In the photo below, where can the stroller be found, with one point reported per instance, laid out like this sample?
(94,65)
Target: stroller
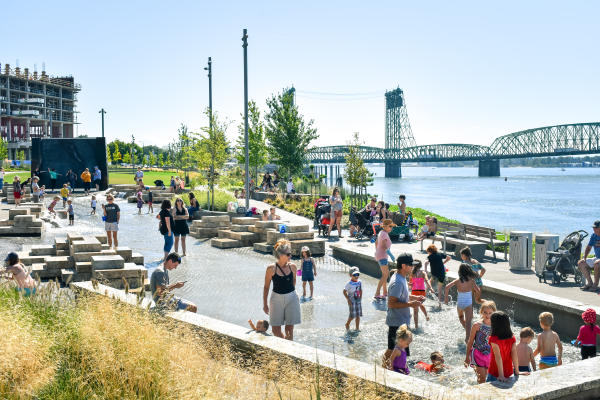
(322,216)
(362,220)
(563,261)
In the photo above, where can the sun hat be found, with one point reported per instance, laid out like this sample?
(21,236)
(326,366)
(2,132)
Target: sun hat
(354,271)
(305,248)
(589,316)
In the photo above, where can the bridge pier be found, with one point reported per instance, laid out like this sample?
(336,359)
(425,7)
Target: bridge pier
(489,168)
(393,169)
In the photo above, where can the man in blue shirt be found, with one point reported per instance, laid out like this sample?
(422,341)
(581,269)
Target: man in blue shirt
(586,264)
(97,178)
(399,303)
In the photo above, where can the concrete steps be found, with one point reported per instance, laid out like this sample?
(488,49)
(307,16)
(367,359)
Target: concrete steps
(246,238)
(274,236)
(240,228)
(263,247)
(225,243)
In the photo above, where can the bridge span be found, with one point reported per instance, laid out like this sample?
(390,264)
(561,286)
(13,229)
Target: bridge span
(557,140)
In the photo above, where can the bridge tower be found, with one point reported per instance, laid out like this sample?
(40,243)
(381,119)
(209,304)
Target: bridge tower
(398,133)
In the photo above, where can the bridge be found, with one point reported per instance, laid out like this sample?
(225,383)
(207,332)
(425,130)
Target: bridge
(400,146)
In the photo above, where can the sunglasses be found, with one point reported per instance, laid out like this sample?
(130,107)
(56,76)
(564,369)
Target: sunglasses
(355,274)
(288,254)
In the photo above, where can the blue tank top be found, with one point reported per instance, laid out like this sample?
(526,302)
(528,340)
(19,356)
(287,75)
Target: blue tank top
(307,266)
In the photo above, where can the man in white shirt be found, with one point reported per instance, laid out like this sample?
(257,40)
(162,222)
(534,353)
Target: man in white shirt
(290,187)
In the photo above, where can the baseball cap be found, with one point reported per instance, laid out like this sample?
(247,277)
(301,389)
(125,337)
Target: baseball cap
(405,258)
(305,248)
(596,224)
(354,271)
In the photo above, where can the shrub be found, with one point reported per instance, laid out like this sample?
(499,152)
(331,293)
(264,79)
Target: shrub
(222,197)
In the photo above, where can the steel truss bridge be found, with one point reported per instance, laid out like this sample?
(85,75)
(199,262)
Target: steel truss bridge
(558,140)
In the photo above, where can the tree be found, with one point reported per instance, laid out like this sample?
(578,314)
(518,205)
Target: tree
(127,158)
(152,159)
(211,150)
(161,161)
(257,144)
(355,173)
(289,137)
(3,151)
(117,154)
(108,158)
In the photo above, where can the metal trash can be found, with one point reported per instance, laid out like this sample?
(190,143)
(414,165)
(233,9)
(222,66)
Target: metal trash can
(520,250)
(543,244)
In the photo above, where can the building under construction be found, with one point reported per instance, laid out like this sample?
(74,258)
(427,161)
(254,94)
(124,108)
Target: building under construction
(33,105)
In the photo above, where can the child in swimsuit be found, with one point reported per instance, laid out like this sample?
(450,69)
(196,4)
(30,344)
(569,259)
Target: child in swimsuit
(261,326)
(309,271)
(503,359)
(478,347)
(587,334)
(546,343)
(140,201)
(465,254)
(417,284)
(398,356)
(52,205)
(93,205)
(437,363)
(465,284)
(524,352)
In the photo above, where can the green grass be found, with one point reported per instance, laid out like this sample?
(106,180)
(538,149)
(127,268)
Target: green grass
(125,176)
(222,197)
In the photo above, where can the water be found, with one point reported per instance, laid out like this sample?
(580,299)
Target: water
(228,284)
(539,200)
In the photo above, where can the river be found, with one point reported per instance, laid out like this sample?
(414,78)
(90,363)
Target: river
(539,200)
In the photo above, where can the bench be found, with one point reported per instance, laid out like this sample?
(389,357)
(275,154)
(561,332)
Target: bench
(485,235)
(446,229)
(449,233)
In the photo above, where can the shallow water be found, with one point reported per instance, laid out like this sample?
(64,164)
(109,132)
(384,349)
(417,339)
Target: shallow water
(228,284)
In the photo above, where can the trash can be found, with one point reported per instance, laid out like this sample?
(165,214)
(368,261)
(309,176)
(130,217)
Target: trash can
(520,250)
(543,244)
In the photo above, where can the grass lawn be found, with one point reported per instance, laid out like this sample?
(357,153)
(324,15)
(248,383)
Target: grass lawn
(126,176)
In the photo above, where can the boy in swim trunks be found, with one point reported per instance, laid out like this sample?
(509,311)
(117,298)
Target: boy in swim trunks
(546,342)
(261,325)
(524,352)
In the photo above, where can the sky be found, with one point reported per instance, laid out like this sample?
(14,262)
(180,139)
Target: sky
(470,71)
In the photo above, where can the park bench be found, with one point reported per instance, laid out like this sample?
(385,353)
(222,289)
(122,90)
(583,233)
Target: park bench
(449,233)
(444,231)
(485,235)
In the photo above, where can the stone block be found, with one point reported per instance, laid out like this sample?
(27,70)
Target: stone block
(206,232)
(62,214)
(274,236)
(263,247)
(102,239)
(104,247)
(39,271)
(71,237)
(107,262)
(241,228)
(42,250)
(85,246)
(84,267)
(30,260)
(57,263)
(62,252)
(137,258)
(294,228)
(34,208)
(215,224)
(246,238)
(26,220)
(13,212)
(267,224)
(86,256)
(216,218)
(129,270)
(67,276)
(124,252)
(108,252)
(244,220)
(316,246)
(224,243)
(61,244)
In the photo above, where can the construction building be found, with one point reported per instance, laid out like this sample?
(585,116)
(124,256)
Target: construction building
(33,105)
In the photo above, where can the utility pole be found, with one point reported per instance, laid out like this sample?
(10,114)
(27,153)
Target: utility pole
(132,163)
(102,111)
(247,185)
(210,123)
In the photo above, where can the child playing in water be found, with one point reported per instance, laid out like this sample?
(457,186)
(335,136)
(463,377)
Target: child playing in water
(466,255)
(546,343)
(140,201)
(71,212)
(261,325)
(309,271)
(149,202)
(52,205)
(465,284)
(64,193)
(436,366)
(478,347)
(524,352)
(265,215)
(42,193)
(398,357)
(353,294)
(93,205)
(418,281)
(438,269)
(382,247)
(587,334)
(503,361)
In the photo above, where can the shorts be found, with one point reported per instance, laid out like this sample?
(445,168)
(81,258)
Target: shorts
(94,209)
(27,291)
(588,351)
(392,330)
(182,304)
(436,279)
(418,293)
(64,199)
(87,185)
(111,226)
(590,261)
(355,309)
(383,262)
(71,217)
(479,359)
(308,275)
(430,234)
(548,362)
(491,378)
(525,368)
(17,195)
(284,309)
(97,182)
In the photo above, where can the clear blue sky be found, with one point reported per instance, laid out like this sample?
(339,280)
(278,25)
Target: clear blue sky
(471,71)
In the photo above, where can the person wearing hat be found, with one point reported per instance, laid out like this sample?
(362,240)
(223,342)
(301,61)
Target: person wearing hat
(25,282)
(309,271)
(587,334)
(353,294)
(400,301)
(382,248)
(35,189)
(586,264)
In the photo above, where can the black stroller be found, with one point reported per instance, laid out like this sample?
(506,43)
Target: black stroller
(563,261)
(362,220)
(322,216)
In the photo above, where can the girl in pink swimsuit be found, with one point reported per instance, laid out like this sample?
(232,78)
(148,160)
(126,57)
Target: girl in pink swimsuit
(418,281)
(25,282)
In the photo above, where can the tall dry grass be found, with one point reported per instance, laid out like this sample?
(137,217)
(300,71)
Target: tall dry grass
(97,348)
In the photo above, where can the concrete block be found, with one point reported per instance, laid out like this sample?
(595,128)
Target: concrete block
(216,218)
(124,252)
(246,238)
(107,262)
(30,260)
(62,214)
(102,239)
(57,263)
(267,224)
(206,232)
(13,212)
(86,256)
(42,250)
(104,247)
(67,276)
(71,237)
(244,220)
(84,267)
(39,271)
(224,243)
(108,252)
(274,236)
(129,270)
(241,228)
(61,244)
(21,225)
(24,218)
(137,258)
(84,246)
(215,224)
(316,246)
(294,228)
(263,247)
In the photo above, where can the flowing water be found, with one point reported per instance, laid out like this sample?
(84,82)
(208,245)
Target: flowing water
(228,284)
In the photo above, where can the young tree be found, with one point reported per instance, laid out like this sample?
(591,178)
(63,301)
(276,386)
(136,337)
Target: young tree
(3,151)
(355,173)
(152,159)
(289,137)
(108,157)
(127,158)
(161,161)
(211,150)
(257,144)
(116,154)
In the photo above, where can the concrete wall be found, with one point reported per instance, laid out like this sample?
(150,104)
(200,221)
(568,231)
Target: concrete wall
(578,380)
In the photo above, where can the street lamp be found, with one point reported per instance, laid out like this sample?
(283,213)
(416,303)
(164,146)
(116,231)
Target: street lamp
(132,163)
(102,111)
(247,185)
(210,121)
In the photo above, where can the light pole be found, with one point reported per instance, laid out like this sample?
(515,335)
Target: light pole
(210,122)
(132,163)
(247,185)
(102,111)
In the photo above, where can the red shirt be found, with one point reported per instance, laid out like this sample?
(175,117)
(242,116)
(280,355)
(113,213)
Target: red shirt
(587,334)
(505,346)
